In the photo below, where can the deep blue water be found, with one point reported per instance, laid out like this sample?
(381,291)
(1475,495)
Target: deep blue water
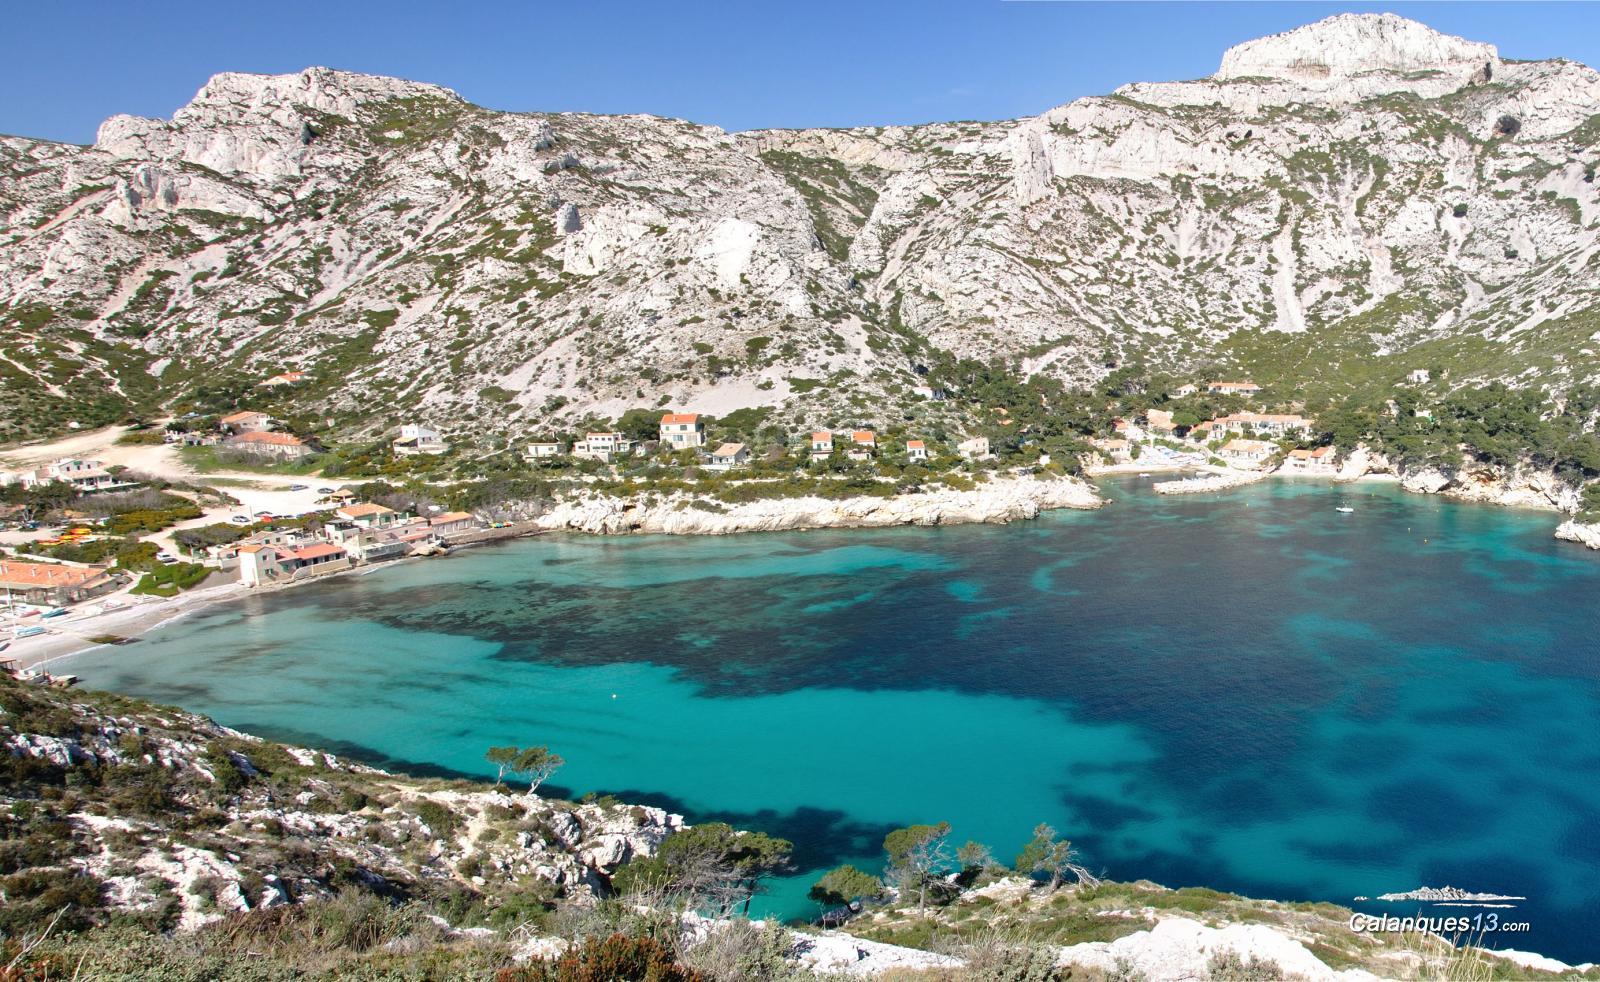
(1252,691)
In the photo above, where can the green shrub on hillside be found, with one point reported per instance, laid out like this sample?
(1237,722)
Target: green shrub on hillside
(167,581)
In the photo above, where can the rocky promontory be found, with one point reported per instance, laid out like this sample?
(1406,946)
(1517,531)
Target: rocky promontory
(999,500)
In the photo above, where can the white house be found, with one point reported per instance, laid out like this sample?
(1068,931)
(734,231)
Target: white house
(1318,461)
(416,439)
(285,445)
(246,422)
(864,438)
(539,451)
(821,444)
(452,522)
(85,476)
(368,515)
(1419,376)
(916,450)
(605,447)
(730,455)
(1278,424)
(284,378)
(1187,389)
(1247,451)
(681,431)
(1233,388)
(1114,448)
(263,564)
(976,448)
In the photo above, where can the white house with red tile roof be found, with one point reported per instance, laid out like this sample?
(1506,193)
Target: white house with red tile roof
(262,565)
(1318,461)
(53,583)
(1247,451)
(284,378)
(1277,424)
(864,438)
(916,450)
(821,444)
(682,431)
(452,522)
(284,445)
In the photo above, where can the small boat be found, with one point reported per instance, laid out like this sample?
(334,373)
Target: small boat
(28,632)
(4,645)
(1144,473)
(63,681)
(1345,510)
(53,612)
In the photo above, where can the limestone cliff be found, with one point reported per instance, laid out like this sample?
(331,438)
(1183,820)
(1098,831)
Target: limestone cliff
(1378,194)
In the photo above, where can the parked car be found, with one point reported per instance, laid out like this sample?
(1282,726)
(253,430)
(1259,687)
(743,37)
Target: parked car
(324,490)
(298,487)
(166,558)
(240,520)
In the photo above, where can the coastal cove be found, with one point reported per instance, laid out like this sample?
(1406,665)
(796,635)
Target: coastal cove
(1249,691)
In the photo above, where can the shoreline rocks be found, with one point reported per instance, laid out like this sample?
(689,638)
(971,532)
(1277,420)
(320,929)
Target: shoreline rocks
(1582,533)
(998,501)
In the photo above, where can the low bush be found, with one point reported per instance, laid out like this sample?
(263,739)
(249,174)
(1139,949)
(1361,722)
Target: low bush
(167,581)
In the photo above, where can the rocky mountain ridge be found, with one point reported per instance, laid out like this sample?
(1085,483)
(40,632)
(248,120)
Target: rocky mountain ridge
(1337,205)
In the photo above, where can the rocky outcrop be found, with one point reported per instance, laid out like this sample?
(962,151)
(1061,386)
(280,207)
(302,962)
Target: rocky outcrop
(282,817)
(1353,44)
(1583,533)
(996,501)
(1178,949)
(1515,487)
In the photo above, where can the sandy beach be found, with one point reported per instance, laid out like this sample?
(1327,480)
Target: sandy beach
(76,631)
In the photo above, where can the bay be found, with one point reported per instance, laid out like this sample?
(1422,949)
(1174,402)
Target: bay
(1251,692)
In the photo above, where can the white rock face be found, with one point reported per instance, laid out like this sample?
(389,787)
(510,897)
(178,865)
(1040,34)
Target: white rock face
(1352,44)
(998,501)
(1178,949)
(569,264)
(1579,532)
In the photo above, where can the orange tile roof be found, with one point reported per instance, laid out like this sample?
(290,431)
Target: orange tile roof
(276,439)
(821,436)
(915,445)
(864,436)
(241,416)
(364,509)
(452,516)
(670,418)
(317,551)
(13,573)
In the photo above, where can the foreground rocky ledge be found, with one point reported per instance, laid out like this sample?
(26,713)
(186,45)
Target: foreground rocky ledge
(998,500)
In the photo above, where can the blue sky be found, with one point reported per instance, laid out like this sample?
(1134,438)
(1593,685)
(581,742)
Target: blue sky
(740,66)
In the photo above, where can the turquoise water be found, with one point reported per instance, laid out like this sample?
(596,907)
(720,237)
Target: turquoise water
(1251,691)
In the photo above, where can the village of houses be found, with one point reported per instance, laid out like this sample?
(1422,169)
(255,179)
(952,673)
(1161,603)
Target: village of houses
(346,533)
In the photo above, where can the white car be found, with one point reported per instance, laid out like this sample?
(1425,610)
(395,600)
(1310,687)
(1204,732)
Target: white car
(166,558)
(240,520)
